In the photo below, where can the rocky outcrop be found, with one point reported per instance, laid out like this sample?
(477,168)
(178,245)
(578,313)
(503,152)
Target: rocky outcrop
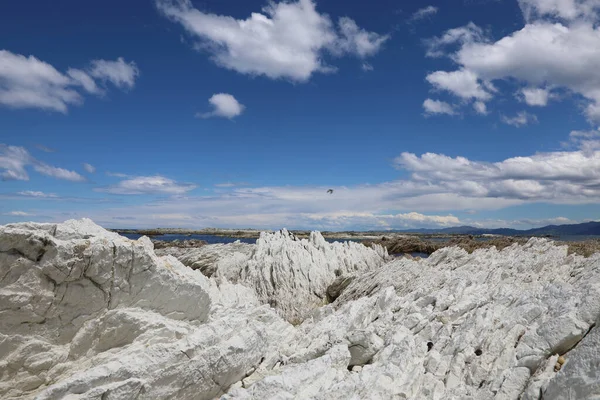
(290,274)
(491,324)
(181,244)
(87,314)
(210,258)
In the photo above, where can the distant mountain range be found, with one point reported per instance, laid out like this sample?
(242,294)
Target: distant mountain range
(586,228)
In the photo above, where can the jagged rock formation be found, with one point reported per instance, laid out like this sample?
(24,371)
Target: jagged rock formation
(290,274)
(87,314)
(182,244)
(487,325)
(210,258)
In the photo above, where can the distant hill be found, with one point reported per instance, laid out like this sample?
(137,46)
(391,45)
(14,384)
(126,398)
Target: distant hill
(585,228)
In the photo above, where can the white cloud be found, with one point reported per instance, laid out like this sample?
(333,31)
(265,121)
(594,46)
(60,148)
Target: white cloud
(564,9)
(149,185)
(82,78)
(367,67)
(45,149)
(230,184)
(120,73)
(117,174)
(541,54)
(225,105)
(89,168)
(355,40)
(58,173)
(27,82)
(437,107)
(480,107)
(288,40)
(535,96)
(561,177)
(462,83)
(14,159)
(522,118)
(19,214)
(32,193)
(586,141)
(424,13)
(461,35)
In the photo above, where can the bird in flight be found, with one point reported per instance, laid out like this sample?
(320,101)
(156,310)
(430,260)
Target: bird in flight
(330,191)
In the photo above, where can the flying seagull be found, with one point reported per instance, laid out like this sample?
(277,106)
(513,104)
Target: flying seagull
(330,191)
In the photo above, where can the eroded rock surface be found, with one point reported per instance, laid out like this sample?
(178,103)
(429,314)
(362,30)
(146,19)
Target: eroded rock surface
(290,274)
(87,314)
(491,324)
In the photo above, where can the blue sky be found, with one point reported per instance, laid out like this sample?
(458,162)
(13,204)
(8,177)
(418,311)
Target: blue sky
(243,114)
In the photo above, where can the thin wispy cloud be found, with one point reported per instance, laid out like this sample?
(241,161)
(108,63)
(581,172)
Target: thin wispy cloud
(423,13)
(152,185)
(89,168)
(15,159)
(522,118)
(37,194)
(45,149)
(19,214)
(230,184)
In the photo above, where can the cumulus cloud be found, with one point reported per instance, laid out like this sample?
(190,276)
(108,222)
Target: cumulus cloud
(535,96)
(437,107)
(436,187)
(89,168)
(586,141)
(522,118)
(27,82)
(287,40)
(564,9)
(15,159)
(367,67)
(569,177)
(542,54)
(225,105)
(462,83)
(149,185)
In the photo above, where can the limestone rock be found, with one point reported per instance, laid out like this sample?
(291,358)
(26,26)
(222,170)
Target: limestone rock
(88,314)
(85,313)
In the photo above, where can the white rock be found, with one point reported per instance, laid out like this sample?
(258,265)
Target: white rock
(493,319)
(85,313)
(289,274)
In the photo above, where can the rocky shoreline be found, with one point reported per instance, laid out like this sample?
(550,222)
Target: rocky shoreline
(90,314)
